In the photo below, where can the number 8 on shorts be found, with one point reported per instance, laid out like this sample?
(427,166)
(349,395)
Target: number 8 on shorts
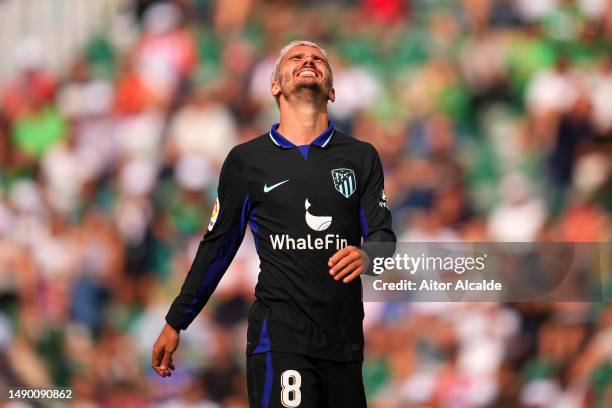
(291,381)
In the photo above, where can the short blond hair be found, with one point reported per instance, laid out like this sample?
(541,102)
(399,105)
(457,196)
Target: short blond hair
(285,50)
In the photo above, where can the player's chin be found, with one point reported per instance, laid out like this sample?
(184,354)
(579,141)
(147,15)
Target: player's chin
(310,84)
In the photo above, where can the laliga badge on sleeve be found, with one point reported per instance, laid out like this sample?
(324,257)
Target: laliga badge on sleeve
(215,213)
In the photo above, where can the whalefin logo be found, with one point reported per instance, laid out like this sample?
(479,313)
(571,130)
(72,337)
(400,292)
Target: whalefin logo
(344,181)
(310,242)
(317,222)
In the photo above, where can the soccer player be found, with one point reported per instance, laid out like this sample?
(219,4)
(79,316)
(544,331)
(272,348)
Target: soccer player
(310,194)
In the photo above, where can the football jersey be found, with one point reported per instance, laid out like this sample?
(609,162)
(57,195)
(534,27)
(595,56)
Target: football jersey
(302,204)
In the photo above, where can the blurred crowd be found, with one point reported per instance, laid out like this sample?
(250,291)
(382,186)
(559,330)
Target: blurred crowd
(493,119)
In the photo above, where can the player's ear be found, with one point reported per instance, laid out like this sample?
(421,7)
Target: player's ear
(275,89)
(331,95)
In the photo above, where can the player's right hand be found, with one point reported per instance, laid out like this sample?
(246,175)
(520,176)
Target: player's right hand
(165,345)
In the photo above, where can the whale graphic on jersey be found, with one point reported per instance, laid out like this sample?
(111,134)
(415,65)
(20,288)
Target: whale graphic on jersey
(317,222)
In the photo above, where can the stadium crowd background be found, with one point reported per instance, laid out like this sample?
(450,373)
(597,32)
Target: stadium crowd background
(493,120)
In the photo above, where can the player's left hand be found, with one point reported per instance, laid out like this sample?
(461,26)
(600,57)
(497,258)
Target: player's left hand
(348,263)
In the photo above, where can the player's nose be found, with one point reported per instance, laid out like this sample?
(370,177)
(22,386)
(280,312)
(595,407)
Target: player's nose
(309,60)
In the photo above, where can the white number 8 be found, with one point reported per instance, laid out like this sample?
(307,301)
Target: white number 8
(291,381)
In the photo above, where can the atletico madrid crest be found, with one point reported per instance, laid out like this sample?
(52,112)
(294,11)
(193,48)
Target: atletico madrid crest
(344,181)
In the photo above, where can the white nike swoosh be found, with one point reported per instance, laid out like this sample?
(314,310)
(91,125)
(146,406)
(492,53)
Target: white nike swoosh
(272,187)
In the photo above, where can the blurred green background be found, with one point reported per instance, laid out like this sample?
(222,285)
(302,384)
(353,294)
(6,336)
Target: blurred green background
(493,119)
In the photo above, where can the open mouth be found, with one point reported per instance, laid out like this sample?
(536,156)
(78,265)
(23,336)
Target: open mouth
(307,72)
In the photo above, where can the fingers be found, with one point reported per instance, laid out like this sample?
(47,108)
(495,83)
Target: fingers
(161,361)
(166,366)
(353,275)
(346,263)
(163,349)
(339,255)
(341,258)
(346,271)
(156,357)
(166,363)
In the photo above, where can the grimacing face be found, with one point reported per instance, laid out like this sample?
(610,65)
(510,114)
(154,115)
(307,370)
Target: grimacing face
(303,67)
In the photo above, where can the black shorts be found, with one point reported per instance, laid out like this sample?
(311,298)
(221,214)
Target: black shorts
(280,380)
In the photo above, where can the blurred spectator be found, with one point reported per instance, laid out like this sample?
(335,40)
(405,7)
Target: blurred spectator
(202,128)
(532,11)
(552,91)
(38,130)
(33,85)
(165,54)
(601,86)
(520,215)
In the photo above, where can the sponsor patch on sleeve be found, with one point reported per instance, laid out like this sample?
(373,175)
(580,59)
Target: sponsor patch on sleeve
(383,200)
(215,213)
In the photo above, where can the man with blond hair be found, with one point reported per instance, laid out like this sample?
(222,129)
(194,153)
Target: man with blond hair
(310,195)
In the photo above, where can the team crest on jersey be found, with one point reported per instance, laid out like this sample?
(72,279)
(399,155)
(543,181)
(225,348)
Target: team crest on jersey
(344,181)
(215,213)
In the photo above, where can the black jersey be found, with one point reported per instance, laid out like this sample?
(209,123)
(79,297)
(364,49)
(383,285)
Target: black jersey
(302,203)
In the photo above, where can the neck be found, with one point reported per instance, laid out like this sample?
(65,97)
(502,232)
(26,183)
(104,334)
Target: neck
(302,122)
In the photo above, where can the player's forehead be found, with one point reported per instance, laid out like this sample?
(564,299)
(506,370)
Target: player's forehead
(304,50)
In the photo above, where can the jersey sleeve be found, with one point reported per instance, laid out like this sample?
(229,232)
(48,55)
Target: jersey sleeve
(218,247)
(374,214)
